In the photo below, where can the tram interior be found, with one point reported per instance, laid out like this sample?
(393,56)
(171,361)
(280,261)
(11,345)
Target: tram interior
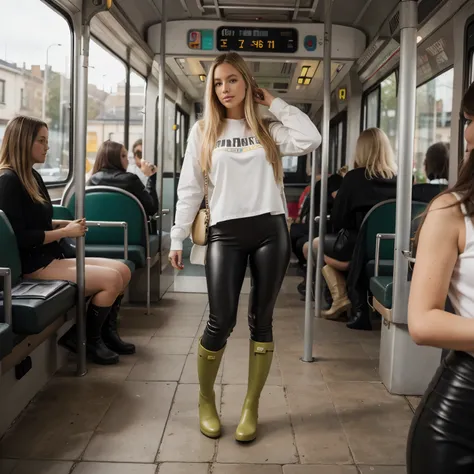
(346,412)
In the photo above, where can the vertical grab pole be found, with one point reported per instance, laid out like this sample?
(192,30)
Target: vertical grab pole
(309,326)
(161,118)
(80,184)
(323,209)
(308,316)
(406,126)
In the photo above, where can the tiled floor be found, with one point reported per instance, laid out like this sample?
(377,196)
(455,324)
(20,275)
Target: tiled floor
(140,417)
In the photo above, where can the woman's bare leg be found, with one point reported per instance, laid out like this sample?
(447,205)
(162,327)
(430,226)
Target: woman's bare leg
(104,283)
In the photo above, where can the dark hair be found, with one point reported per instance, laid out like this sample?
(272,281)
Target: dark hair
(139,142)
(108,157)
(437,161)
(465,183)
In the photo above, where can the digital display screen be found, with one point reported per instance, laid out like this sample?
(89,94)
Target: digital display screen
(262,40)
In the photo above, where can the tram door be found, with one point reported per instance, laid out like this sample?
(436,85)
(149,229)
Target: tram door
(168,200)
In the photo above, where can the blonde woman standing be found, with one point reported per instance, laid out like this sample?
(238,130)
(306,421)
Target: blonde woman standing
(241,154)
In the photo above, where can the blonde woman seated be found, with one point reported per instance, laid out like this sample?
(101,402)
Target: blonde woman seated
(372,181)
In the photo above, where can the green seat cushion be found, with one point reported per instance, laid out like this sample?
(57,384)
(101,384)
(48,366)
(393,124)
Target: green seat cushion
(33,315)
(136,253)
(385,268)
(6,340)
(381,287)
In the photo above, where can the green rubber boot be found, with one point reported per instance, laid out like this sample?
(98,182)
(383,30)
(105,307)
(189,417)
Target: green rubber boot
(208,366)
(260,361)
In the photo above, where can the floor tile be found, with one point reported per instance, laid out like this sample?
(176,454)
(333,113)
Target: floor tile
(375,422)
(158,367)
(59,423)
(383,469)
(7,465)
(296,372)
(274,443)
(183,468)
(320,469)
(42,467)
(132,429)
(350,370)
(414,402)
(182,440)
(319,435)
(114,468)
(245,469)
(170,345)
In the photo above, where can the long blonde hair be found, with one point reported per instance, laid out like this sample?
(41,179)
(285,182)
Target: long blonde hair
(374,153)
(212,123)
(15,153)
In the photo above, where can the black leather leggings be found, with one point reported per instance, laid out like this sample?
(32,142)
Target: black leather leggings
(264,242)
(441,438)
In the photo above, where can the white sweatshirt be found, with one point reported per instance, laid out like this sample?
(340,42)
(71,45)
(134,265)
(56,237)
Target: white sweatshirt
(241,180)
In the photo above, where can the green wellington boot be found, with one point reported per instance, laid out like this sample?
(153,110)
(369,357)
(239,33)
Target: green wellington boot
(208,366)
(261,355)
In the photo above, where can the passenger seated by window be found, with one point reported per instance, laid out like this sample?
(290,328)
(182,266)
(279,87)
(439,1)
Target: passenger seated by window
(299,233)
(110,170)
(436,169)
(373,180)
(26,202)
(135,166)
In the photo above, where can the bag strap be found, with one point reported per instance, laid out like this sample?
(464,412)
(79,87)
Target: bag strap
(206,194)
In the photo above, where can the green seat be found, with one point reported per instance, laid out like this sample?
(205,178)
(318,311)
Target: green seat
(33,314)
(385,268)
(381,288)
(136,253)
(6,340)
(381,220)
(61,212)
(110,204)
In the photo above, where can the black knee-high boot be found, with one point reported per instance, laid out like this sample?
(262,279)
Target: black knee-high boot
(96,348)
(109,331)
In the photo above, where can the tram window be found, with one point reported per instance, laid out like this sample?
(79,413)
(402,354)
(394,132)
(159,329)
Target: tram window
(371,109)
(106,99)
(137,109)
(433,117)
(35,76)
(290,164)
(168,163)
(388,109)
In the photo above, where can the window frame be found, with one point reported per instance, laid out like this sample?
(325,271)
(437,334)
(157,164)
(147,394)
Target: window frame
(61,11)
(3,86)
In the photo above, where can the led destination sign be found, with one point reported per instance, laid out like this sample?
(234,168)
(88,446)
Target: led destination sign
(262,40)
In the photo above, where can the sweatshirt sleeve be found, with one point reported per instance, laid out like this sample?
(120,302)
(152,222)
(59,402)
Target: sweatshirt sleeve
(190,190)
(294,132)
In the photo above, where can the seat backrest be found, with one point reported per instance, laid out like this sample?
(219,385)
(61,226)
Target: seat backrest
(381,219)
(62,213)
(9,253)
(105,203)
(426,192)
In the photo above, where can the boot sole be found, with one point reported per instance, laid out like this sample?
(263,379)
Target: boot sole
(337,314)
(213,436)
(245,439)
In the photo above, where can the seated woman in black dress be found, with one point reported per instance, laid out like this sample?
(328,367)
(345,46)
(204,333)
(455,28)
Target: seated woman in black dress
(26,202)
(110,169)
(372,181)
